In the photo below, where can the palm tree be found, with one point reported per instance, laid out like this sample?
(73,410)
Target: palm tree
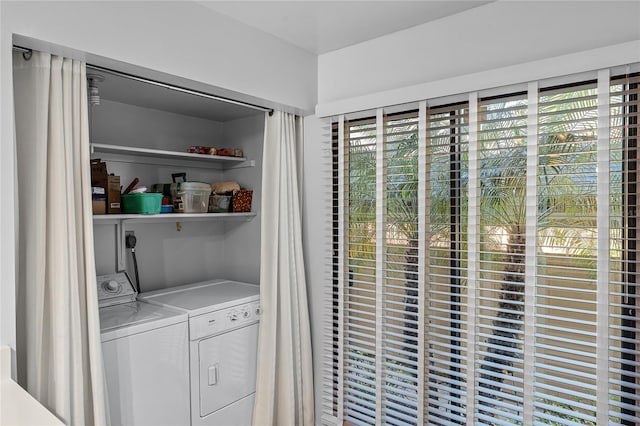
(401,227)
(402,221)
(503,206)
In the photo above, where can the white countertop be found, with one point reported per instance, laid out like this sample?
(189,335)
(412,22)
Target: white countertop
(17,407)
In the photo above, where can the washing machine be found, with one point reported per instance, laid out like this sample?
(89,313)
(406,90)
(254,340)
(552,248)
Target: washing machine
(223,345)
(146,357)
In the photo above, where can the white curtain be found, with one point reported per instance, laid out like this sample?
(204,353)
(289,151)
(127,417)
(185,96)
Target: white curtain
(59,352)
(284,390)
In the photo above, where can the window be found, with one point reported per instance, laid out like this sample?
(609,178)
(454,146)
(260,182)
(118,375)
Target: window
(484,266)
(447,144)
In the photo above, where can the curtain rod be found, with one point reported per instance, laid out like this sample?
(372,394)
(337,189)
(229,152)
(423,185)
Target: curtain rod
(165,85)
(179,88)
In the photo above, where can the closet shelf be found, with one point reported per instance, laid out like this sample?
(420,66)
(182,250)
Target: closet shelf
(171,217)
(130,154)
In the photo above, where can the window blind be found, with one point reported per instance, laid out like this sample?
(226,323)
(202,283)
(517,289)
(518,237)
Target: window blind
(399,296)
(359,317)
(485,260)
(624,374)
(447,143)
(502,154)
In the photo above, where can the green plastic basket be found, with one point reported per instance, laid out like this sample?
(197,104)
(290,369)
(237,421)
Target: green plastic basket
(143,203)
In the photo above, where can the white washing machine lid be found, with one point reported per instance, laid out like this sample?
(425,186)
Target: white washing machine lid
(203,297)
(123,320)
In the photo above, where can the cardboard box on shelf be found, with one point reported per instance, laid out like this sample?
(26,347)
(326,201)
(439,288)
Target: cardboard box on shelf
(110,183)
(99,206)
(98,172)
(113,194)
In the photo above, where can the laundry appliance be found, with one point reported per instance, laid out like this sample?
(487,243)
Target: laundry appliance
(223,334)
(145,352)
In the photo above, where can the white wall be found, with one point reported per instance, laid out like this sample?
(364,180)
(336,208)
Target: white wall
(493,36)
(7,215)
(242,239)
(117,123)
(316,229)
(178,38)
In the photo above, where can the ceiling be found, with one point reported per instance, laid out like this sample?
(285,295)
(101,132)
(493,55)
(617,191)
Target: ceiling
(323,26)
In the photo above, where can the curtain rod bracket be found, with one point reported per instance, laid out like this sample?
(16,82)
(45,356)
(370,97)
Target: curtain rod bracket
(26,53)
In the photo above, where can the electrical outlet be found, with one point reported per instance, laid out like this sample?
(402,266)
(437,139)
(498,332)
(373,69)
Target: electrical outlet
(130,239)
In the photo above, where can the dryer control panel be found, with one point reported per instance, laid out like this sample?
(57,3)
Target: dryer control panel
(114,289)
(223,320)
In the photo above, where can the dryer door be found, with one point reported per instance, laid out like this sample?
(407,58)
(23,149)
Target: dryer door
(227,368)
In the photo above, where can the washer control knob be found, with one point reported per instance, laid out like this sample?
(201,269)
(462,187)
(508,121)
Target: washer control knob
(233,316)
(258,310)
(246,314)
(111,286)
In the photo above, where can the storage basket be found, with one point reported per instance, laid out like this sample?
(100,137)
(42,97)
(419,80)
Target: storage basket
(219,203)
(241,201)
(143,203)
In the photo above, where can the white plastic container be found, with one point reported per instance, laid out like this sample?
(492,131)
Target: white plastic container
(190,197)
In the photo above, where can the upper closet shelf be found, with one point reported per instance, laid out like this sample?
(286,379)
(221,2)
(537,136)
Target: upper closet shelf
(130,154)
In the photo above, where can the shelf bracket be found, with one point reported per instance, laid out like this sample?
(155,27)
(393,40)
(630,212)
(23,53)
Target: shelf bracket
(121,249)
(247,164)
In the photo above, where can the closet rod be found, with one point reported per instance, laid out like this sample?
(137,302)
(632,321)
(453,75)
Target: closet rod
(179,88)
(167,86)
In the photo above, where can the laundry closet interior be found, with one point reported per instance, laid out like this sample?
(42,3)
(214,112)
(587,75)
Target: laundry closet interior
(143,128)
(179,303)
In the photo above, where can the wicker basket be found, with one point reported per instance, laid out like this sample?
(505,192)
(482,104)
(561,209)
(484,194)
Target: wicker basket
(241,201)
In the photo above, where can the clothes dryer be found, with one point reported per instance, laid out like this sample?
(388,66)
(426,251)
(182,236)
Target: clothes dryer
(223,344)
